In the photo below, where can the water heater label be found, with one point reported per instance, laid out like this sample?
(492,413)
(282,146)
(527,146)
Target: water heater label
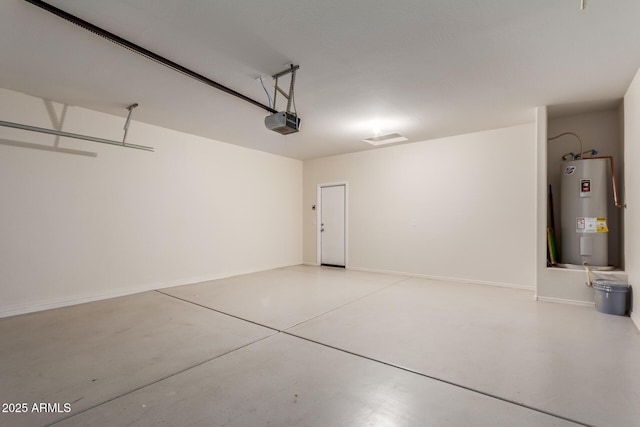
(585,225)
(591,225)
(601,225)
(569,170)
(580,225)
(585,188)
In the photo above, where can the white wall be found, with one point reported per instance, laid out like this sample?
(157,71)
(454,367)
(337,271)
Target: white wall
(471,197)
(541,198)
(75,228)
(632,191)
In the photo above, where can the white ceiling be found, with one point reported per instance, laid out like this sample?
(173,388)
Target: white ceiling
(421,68)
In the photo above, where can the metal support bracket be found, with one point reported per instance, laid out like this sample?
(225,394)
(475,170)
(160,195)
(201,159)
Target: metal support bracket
(55,121)
(126,124)
(83,137)
(289,96)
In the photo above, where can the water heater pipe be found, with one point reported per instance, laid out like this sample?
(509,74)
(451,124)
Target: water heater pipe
(586,267)
(613,180)
(591,152)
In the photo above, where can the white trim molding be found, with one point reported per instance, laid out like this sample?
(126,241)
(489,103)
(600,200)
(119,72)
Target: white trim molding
(446,279)
(635,318)
(51,303)
(567,301)
(318,220)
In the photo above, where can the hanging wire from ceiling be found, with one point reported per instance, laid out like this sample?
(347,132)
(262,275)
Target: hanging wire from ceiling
(295,110)
(265,91)
(292,93)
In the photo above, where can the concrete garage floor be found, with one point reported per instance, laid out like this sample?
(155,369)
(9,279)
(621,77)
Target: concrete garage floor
(310,346)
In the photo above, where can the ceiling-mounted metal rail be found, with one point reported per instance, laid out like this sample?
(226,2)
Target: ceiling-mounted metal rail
(83,137)
(145,52)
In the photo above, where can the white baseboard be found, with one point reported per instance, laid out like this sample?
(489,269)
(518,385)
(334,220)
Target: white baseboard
(635,318)
(446,279)
(566,301)
(51,303)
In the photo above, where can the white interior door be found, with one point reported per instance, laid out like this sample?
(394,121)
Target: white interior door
(332,225)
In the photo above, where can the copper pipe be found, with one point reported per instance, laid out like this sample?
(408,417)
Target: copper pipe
(613,179)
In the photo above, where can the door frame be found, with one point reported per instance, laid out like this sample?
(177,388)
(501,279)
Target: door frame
(319,220)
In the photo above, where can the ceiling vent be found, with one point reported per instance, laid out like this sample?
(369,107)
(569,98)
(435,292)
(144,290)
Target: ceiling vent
(386,139)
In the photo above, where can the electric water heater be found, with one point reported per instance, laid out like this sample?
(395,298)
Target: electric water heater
(583,212)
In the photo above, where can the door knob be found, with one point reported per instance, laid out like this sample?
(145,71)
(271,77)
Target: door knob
(322,229)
